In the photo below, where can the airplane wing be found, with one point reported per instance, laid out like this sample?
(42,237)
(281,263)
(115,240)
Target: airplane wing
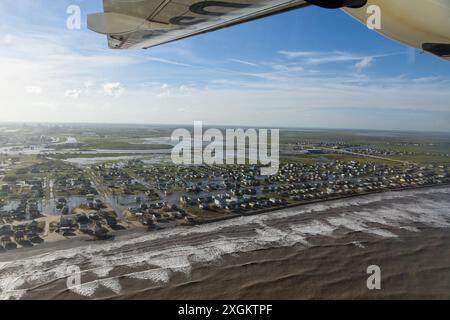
(147,23)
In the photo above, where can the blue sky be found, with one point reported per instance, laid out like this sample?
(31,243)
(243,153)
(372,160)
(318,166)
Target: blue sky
(305,68)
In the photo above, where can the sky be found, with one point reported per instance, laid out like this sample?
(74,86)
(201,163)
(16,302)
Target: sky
(312,68)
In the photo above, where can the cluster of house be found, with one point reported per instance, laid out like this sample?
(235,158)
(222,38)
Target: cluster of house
(114,176)
(94,223)
(91,203)
(80,185)
(240,188)
(231,202)
(166,178)
(351,170)
(302,182)
(372,150)
(23,234)
(26,209)
(22,199)
(29,188)
(151,215)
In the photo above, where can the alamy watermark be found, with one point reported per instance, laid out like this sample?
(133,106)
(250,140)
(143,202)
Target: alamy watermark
(373,21)
(237,146)
(73,21)
(374,280)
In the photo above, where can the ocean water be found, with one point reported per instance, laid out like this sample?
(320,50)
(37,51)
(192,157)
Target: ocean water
(308,252)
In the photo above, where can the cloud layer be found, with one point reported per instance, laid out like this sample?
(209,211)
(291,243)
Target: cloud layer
(58,75)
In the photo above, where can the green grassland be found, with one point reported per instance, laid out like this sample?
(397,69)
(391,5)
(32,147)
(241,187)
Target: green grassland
(414,147)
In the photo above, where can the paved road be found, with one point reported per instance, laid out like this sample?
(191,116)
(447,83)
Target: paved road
(105,193)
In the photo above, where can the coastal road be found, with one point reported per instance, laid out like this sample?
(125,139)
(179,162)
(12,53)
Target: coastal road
(104,193)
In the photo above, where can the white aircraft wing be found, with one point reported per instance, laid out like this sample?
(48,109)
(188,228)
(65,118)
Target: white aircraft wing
(147,23)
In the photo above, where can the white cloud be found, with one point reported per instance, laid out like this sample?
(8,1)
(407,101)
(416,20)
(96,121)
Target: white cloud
(164,91)
(88,84)
(318,57)
(287,68)
(330,57)
(275,93)
(8,38)
(113,89)
(297,54)
(364,63)
(166,61)
(73,93)
(247,63)
(184,87)
(33,90)
(323,57)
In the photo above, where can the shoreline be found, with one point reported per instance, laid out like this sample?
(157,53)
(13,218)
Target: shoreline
(309,252)
(133,232)
(294,205)
(322,271)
